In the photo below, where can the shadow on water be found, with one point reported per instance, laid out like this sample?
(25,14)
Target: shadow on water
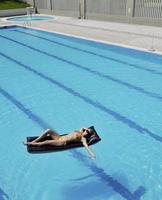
(3,195)
(88,190)
(113,184)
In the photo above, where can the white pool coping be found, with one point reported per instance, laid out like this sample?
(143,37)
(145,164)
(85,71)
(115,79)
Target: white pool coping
(92,30)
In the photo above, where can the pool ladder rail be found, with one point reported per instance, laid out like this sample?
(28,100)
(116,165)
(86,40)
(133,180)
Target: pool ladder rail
(29,12)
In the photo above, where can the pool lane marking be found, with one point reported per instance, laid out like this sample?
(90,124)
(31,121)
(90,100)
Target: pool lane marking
(119,117)
(95,54)
(24,109)
(99,74)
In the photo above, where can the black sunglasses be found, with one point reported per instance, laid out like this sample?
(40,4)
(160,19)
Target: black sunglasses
(86,130)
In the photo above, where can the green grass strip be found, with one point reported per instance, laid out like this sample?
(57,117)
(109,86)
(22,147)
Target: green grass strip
(12,4)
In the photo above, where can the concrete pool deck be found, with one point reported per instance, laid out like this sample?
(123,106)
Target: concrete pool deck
(144,37)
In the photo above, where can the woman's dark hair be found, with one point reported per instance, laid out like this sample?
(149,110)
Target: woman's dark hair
(90,133)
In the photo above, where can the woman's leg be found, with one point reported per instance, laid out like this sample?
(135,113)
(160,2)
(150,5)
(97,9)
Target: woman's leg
(45,134)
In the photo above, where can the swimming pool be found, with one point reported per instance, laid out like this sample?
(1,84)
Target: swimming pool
(49,80)
(30,18)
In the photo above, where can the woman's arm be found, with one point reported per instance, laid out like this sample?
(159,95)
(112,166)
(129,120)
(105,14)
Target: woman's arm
(88,148)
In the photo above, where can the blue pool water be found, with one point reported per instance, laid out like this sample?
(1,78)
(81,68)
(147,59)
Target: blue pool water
(32,18)
(53,81)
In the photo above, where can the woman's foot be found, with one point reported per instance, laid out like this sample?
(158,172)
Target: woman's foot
(28,143)
(25,143)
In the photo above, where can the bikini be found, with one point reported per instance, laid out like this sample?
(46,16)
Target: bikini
(68,138)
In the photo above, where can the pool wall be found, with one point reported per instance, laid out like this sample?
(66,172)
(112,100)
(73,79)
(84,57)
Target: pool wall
(12,12)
